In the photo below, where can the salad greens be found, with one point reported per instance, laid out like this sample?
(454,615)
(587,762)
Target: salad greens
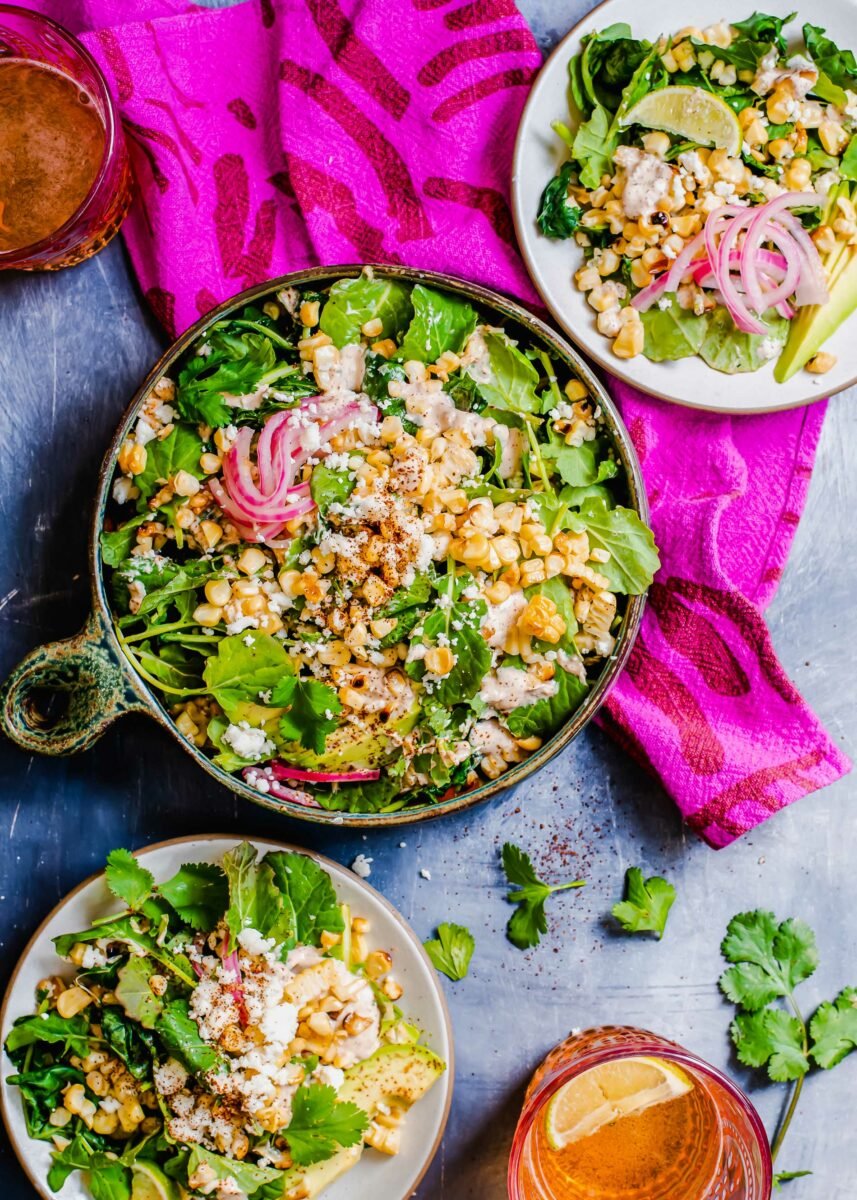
(647,903)
(528,922)
(452,950)
(174,1056)
(369,541)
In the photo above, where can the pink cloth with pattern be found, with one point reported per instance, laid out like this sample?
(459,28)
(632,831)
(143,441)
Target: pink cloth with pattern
(280,134)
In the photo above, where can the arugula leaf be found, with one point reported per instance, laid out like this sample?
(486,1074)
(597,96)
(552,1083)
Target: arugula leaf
(761,27)
(633,555)
(320,1124)
(774,1039)
(180,1035)
(117,545)
(198,893)
(440,322)
(558,217)
(646,905)
(782,1177)
(545,716)
(126,929)
(509,381)
(238,672)
(127,880)
(452,950)
(72,1033)
(833,1029)
(330,487)
(180,451)
(770,959)
(312,708)
(41,1091)
(672,333)
(248,1177)
(528,922)
(129,1041)
(108,1179)
(311,894)
(135,994)
(254,899)
(840,66)
(353,302)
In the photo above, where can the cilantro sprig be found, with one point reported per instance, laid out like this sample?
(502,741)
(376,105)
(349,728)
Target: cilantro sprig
(320,1124)
(312,709)
(528,922)
(452,950)
(646,905)
(768,961)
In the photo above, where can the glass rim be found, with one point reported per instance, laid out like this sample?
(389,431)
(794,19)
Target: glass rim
(112,123)
(650,1046)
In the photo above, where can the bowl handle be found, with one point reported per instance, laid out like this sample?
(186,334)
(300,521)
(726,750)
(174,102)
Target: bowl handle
(85,673)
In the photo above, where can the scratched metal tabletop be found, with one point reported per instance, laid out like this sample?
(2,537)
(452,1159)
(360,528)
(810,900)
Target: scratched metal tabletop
(73,348)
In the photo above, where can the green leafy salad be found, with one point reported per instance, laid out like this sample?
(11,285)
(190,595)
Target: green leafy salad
(370,548)
(228,1033)
(710,184)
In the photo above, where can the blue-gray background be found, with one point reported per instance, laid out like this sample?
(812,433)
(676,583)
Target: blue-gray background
(73,348)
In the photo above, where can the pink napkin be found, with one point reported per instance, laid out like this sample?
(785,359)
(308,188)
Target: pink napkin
(284,133)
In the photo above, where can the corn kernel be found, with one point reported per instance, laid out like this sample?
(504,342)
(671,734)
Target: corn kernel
(373,328)
(378,963)
(498,592)
(59,1118)
(587,278)
(73,1001)
(797,174)
(207,615)
(439,660)
(656,143)
(186,725)
(132,458)
(211,533)
(386,347)
(629,341)
(640,277)
(185,484)
(392,989)
(309,313)
(819,365)
(210,463)
(252,560)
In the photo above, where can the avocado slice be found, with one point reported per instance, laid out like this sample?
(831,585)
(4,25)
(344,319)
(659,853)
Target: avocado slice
(399,1075)
(349,746)
(393,1074)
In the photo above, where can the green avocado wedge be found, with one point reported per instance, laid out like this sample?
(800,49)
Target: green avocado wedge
(398,1075)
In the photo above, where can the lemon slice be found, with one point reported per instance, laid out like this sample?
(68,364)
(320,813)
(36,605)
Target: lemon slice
(609,1092)
(150,1183)
(690,113)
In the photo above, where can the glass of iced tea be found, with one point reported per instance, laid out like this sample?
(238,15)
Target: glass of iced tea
(621,1114)
(64,176)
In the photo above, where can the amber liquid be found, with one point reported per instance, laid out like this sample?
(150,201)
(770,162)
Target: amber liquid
(52,143)
(670,1151)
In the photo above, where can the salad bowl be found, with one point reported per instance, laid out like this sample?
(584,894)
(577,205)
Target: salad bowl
(554,262)
(375,1174)
(98,680)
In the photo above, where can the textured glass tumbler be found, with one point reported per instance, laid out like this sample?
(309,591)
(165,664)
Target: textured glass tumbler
(30,37)
(734,1159)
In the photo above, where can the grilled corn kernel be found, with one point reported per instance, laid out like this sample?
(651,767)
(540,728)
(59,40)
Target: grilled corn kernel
(833,137)
(819,365)
(373,328)
(532,571)
(210,463)
(780,149)
(73,1001)
(329,940)
(59,1118)
(575,390)
(309,312)
(207,615)
(780,105)
(797,174)
(378,963)
(74,1099)
(132,458)
(640,277)
(629,341)
(603,296)
(387,347)
(391,429)
(253,605)
(439,660)
(608,262)
(392,989)
(130,1115)
(252,560)
(186,725)
(185,484)
(218,592)
(320,1024)
(587,278)
(656,143)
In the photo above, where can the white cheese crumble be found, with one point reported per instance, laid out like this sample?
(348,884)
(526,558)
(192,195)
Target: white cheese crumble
(248,742)
(362,866)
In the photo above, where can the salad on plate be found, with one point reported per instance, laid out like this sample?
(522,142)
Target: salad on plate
(710,185)
(370,548)
(229,1033)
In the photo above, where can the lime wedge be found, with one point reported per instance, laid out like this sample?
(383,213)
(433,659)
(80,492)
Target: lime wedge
(690,113)
(608,1093)
(148,1182)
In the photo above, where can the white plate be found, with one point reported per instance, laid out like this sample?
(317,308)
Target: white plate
(538,153)
(375,1175)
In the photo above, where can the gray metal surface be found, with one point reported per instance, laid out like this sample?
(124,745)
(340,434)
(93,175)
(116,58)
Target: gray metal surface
(73,347)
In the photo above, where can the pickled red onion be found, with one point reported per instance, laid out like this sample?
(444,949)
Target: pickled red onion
(283,772)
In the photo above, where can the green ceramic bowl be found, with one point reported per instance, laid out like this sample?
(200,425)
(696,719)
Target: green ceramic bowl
(97,682)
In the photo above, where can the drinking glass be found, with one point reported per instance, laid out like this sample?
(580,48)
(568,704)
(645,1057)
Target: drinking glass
(730,1160)
(34,38)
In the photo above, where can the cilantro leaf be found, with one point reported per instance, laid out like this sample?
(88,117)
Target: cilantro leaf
(786,1176)
(198,893)
(452,949)
(774,1039)
(770,959)
(528,922)
(312,711)
(127,880)
(320,1124)
(834,1029)
(646,905)
(70,1032)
